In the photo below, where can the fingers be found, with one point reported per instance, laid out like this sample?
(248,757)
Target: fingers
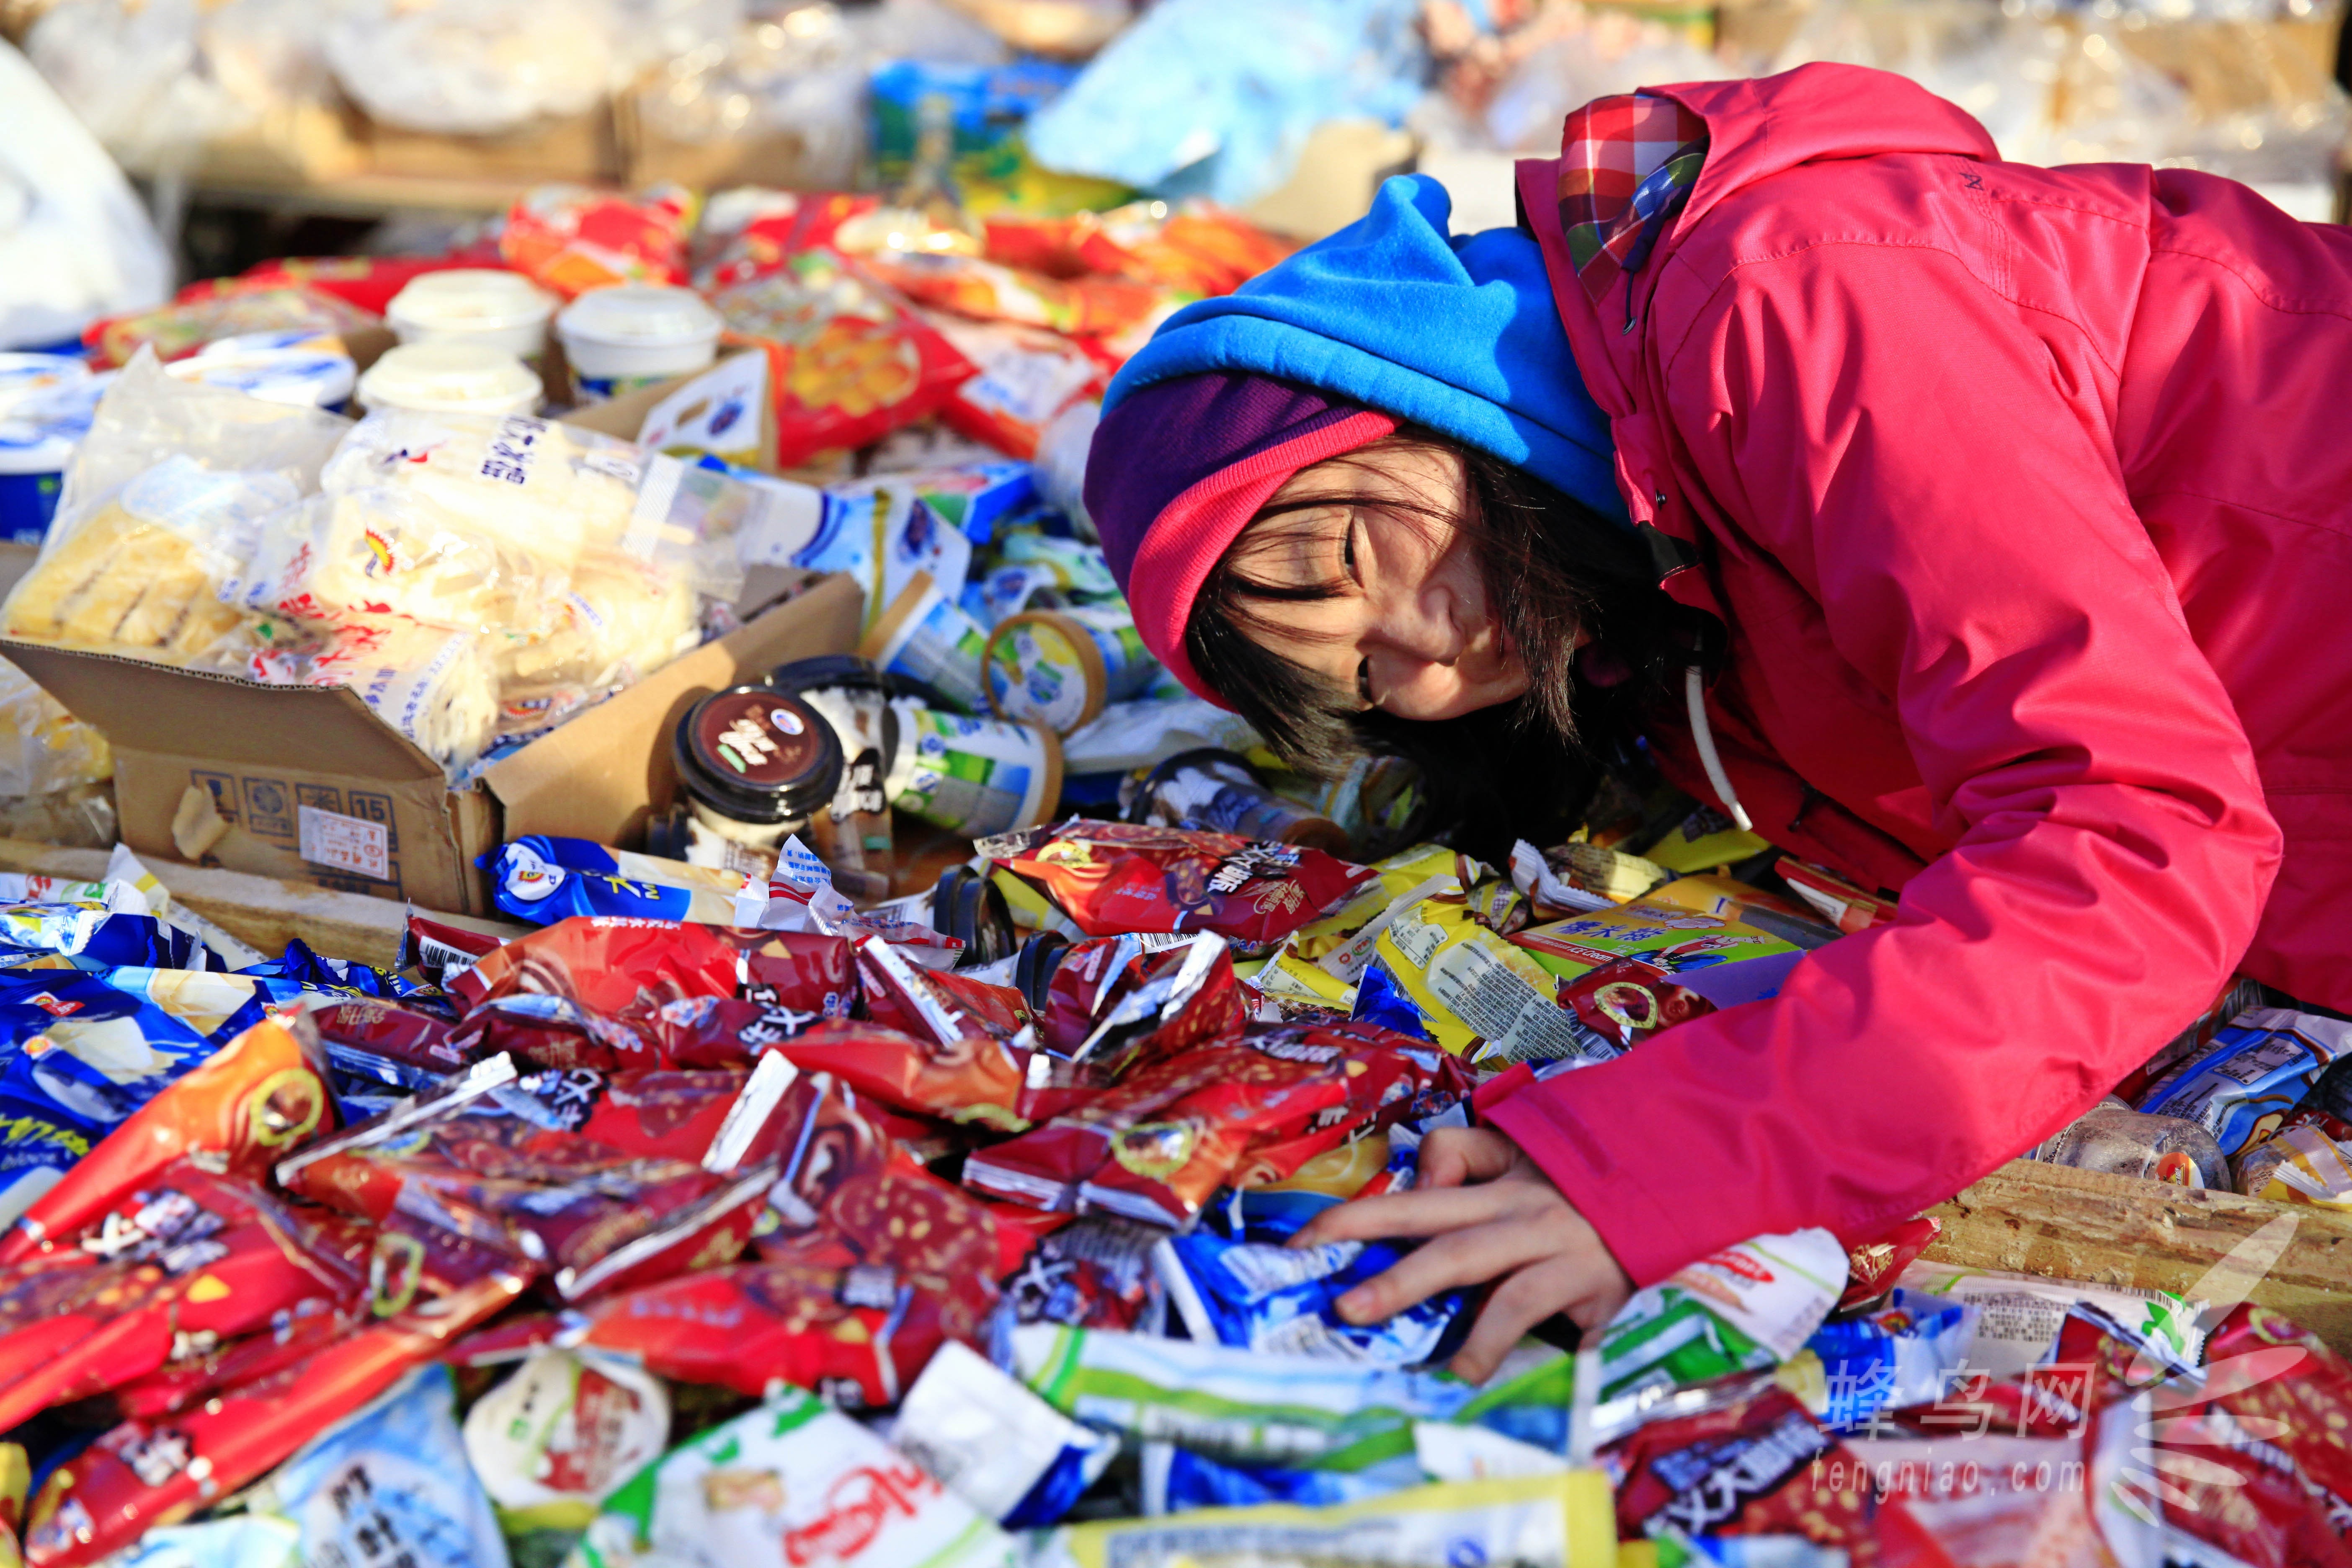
(1454,1155)
(1408,1215)
(1459,1257)
(1516,1305)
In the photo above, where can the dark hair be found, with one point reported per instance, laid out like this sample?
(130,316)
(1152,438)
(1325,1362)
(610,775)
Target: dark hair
(1552,566)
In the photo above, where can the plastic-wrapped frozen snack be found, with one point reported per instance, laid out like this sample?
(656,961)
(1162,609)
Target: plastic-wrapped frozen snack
(434,686)
(43,748)
(621,619)
(477,522)
(163,502)
(793,1483)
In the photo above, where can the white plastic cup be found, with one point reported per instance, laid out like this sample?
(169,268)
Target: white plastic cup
(482,305)
(261,365)
(24,376)
(634,335)
(450,378)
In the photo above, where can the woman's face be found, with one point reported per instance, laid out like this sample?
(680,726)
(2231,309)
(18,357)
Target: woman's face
(1409,629)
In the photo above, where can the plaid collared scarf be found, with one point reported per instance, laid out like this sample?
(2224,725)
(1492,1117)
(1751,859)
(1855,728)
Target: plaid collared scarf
(1627,165)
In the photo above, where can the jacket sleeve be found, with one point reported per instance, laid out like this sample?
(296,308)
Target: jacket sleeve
(1929,470)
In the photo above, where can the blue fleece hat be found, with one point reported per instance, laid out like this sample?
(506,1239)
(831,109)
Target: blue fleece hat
(1390,320)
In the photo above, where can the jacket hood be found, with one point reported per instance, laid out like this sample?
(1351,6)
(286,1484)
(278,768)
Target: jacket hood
(1454,332)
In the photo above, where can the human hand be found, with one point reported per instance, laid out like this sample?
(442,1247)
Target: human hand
(1490,1213)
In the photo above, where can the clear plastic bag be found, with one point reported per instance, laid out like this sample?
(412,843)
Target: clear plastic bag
(162,506)
(476,68)
(479,523)
(437,687)
(43,748)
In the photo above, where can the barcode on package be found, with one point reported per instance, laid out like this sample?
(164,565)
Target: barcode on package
(346,843)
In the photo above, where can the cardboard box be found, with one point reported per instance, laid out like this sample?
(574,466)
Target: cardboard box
(313,786)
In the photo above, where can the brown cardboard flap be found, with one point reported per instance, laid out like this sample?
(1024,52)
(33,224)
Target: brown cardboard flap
(602,779)
(155,708)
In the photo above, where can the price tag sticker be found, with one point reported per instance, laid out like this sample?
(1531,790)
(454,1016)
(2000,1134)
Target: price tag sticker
(346,843)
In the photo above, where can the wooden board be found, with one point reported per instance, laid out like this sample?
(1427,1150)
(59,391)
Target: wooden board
(2065,1224)
(262,911)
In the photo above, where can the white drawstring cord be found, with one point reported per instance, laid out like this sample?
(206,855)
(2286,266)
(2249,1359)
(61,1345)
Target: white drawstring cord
(1694,692)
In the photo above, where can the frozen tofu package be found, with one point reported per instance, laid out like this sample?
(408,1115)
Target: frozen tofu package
(790,1484)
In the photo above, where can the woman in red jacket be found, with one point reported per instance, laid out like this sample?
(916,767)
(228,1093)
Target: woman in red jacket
(1977,530)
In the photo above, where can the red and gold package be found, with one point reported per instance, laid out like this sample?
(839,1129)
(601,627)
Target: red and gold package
(1158,1144)
(803,971)
(860,1335)
(1025,377)
(1873,1265)
(1760,1465)
(440,953)
(1086,306)
(143,1474)
(849,360)
(1385,1077)
(617,965)
(749,234)
(196,1258)
(1629,999)
(973,1079)
(1113,877)
(255,1101)
(519,1164)
(200,314)
(188,1378)
(572,238)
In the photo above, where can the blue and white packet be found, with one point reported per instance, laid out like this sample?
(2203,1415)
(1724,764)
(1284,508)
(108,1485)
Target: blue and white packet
(99,938)
(391,1482)
(80,1052)
(1279,1300)
(1178,1480)
(543,880)
(237,1540)
(1901,1355)
(994,1444)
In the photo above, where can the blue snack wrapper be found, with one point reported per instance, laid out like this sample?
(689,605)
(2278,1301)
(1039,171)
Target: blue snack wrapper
(1280,1300)
(1177,1480)
(99,940)
(390,1482)
(543,881)
(80,1052)
(1899,1356)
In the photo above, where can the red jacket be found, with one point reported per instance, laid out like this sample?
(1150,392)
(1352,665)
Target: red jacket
(2026,495)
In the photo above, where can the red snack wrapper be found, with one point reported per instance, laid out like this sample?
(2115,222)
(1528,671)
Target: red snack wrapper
(259,1097)
(142,1474)
(859,1336)
(572,238)
(442,952)
(848,359)
(499,1161)
(367,281)
(750,233)
(615,966)
(1386,1081)
(1845,905)
(1872,1266)
(2252,1455)
(1025,377)
(185,1380)
(1087,306)
(196,1258)
(848,1198)
(1114,877)
(802,971)
(1629,999)
(1092,977)
(1093,1273)
(554,1032)
(387,1029)
(1183,997)
(974,1079)
(202,313)
(1760,1466)
(1156,1146)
